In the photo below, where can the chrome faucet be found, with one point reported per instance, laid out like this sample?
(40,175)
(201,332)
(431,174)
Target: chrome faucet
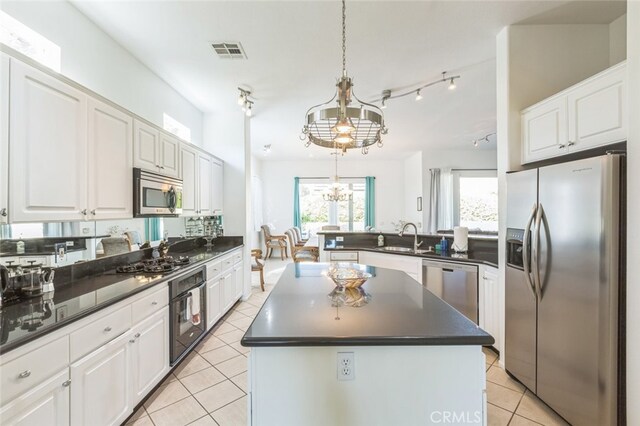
(415,235)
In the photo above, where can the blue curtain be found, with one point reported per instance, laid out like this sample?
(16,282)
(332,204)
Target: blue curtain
(153,229)
(370,201)
(297,218)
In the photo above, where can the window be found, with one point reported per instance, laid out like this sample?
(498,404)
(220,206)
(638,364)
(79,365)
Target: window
(475,199)
(315,212)
(18,36)
(172,125)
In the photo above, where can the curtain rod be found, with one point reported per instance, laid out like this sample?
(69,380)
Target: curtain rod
(341,177)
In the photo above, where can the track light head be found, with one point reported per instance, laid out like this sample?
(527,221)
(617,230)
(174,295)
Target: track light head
(452,84)
(418,95)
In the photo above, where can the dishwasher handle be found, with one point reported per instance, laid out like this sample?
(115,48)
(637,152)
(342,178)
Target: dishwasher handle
(450,266)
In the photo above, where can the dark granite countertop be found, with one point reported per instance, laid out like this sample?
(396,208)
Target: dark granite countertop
(74,299)
(473,256)
(298,312)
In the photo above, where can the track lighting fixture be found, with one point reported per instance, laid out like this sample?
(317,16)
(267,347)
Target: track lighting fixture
(244,102)
(386,94)
(485,138)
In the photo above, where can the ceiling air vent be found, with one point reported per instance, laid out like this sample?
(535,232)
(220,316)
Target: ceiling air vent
(229,50)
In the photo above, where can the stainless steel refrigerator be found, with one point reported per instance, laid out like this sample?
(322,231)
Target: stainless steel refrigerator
(565,284)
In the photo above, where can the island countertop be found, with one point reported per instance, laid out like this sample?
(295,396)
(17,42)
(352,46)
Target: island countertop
(299,312)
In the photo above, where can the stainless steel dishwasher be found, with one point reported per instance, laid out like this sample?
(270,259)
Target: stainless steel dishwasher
(454,282)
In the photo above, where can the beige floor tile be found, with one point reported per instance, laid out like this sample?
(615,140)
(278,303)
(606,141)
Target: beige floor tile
(219,355)
(209,343)
(234,315)
(191,364)
(241,381)
(534,409)
(242,323)
(233,366)
(204,421)
(488,366)
(238,347)
(181,413)
(497,416)
(202,379)
(140,412)
(142,421)
(234,414)
(250,310)
(218,395)
(490,355)
(503,397)
(138,418)
(242,306)
(499,376)
(521,421)
(170,378)
(223,328)
(233,336)
(166,395)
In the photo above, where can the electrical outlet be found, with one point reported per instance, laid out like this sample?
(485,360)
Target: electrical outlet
(339,238)
(346,366)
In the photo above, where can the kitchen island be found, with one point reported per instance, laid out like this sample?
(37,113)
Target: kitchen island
(413,358)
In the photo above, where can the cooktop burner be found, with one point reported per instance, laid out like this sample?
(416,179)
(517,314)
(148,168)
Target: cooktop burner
(154,266)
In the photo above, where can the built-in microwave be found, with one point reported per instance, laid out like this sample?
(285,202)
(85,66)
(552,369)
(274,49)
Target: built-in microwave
(156,195)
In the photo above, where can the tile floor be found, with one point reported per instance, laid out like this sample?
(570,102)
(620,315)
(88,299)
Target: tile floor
(209,386)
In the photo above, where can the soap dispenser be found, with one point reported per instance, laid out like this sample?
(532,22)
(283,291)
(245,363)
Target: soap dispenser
(380,240)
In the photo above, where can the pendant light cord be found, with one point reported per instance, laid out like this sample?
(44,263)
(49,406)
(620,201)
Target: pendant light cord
(344,38)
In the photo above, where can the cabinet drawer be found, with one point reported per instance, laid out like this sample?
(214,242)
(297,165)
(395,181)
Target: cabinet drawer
(149,304)
(99,332)
(344,256)
(214,269)
(237,257)
(31,369)
(227,263)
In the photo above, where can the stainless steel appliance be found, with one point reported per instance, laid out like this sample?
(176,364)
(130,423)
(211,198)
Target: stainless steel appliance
(455,283)
(563,286)
(187,309)
(156,195)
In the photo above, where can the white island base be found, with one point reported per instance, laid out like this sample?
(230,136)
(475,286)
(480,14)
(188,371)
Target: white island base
(393,385)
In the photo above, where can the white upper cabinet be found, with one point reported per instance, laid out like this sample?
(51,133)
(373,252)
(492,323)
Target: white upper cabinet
(544,130)
(590,114)
(597,110)
(217,184)
(110,162)
(205,176)
(48,148)
(4,138)
(146,142)
(169,150)
(189,166)
(155,150)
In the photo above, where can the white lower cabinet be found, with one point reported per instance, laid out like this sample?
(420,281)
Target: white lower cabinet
(150,353)
(45,404)
(228,283)
(488,304)
(214,301)
(101,385)
(411,265)
(238,270)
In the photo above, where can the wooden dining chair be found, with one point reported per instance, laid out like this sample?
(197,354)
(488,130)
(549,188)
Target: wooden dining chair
(301,253)
(257,265)
(299,234)
(274,241)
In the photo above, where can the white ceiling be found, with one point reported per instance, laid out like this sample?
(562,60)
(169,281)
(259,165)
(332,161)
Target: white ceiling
(293,51)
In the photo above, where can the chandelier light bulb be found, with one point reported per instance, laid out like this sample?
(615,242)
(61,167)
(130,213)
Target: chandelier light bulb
(343,138)
(343,126)
(418,95)
(452,84)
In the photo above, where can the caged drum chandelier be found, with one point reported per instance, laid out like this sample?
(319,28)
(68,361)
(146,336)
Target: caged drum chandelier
(335,191)
(344,124)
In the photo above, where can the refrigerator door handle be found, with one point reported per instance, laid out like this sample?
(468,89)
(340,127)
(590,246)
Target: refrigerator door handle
(525,250)
(536,252)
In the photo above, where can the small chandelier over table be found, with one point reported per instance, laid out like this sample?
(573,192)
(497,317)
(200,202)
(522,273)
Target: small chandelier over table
(344,124)
(336,191)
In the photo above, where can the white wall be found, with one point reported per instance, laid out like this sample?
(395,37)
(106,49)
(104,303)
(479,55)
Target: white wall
(278,186)
(257,206)
(95,60)
(633,207)
(618,40)
(459,159)
(413,173)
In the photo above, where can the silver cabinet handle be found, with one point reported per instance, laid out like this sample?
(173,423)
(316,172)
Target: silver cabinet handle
(132,341)
(24,374)
(66,383)
(154,303)
(3,212)
(162,167)
(137,335)
(571,144)
(561,146)
(93,212)
(107,329)
(84,212)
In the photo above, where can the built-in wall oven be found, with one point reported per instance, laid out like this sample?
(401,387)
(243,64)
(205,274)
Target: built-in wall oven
(188,310)
(156,195)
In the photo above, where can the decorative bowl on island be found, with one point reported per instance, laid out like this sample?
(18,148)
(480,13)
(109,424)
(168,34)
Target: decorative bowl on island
(348,275)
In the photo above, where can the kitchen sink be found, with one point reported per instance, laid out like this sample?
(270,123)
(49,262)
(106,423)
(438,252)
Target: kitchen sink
(405,250)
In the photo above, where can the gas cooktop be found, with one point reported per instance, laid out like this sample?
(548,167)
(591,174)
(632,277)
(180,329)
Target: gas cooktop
(160,265)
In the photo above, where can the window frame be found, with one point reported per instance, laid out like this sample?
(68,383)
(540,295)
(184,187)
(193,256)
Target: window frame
(470,173)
